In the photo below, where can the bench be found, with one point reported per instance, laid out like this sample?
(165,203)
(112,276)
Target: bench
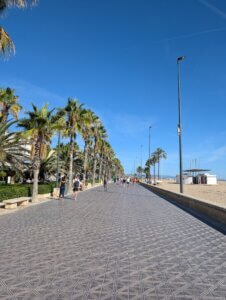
(2,205)
(13,203)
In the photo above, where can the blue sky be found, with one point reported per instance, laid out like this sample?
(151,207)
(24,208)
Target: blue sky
(118,57)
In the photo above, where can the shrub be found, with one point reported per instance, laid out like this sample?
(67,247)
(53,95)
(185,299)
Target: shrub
(22,190)
(13,191)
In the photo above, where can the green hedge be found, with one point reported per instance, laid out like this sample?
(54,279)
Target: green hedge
(22,190)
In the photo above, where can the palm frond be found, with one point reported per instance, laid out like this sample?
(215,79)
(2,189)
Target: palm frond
(7,46)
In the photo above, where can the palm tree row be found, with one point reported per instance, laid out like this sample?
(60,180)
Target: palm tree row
(39,125)
(155,158)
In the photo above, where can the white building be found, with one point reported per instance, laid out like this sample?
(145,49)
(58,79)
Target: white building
(204,178)
(187,179)
(207,179)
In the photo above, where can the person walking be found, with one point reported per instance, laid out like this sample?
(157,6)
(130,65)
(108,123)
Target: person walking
(62,187)
(128,181)
(76,187)
(105,184)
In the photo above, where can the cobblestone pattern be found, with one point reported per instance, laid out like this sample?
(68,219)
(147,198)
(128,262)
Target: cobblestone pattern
(126,243)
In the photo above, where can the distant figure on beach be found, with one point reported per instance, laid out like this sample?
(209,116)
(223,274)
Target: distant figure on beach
(62,186)
(105,184)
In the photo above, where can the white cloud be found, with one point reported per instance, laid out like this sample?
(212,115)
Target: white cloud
(217,154)
(213,8)
(131,125)
(30,93)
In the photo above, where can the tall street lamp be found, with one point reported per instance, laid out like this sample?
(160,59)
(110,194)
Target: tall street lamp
(179,129)
(58,158)
(149,155)
(141,162)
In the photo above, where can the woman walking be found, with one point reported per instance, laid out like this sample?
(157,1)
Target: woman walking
(105,184)
(62,187)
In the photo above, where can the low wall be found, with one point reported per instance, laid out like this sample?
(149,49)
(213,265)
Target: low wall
(212,212)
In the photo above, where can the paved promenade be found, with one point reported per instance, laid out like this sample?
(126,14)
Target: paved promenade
(126,243)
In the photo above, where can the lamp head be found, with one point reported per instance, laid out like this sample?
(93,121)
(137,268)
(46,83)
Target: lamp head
(180,58)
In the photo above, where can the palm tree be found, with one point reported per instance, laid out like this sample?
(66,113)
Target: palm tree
(39,127)
(104,150)
(160,153)
(140,170)
(7,46)
(48,165)
(8,104)
(73,114)
(98,133)
(109,156)
(117,167)
(86,130)
(153,160)
(13,151)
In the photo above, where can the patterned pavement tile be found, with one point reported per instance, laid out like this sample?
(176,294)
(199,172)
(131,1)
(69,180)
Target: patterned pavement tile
(126,243)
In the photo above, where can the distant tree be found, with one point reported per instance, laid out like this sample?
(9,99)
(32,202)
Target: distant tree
(153,160)
(160,154)
(140,170)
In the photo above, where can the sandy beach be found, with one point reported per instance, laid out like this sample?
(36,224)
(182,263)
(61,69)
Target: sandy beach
(215,194)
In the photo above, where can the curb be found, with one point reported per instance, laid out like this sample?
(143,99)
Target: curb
(212,214)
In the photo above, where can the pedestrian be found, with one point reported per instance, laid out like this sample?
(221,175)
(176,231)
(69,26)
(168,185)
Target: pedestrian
(76,187)
(128,181)
(62,187)
(105,184)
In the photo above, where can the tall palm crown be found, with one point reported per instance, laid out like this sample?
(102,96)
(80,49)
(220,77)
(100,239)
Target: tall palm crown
(8,104)
(74,114)
(13,152)
(39,127)
(88,122)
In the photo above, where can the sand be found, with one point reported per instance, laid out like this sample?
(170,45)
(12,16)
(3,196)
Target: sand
(215,194)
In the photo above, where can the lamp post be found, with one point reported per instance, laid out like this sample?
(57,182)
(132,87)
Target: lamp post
(149,155)
(58,157)
(141,162)
(179,129)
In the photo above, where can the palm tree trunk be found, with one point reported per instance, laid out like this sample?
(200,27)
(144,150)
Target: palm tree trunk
(35,187)
(154,173)
(70,175)
(94,167)
(101,168)
(85,160)
(36,168)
